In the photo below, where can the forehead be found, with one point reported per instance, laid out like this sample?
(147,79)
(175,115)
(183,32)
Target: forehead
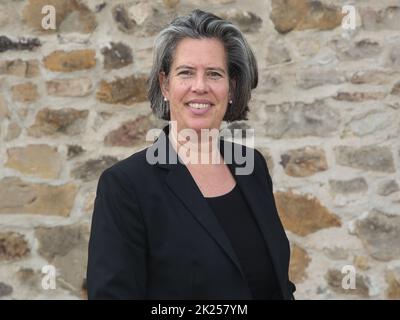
(200,52)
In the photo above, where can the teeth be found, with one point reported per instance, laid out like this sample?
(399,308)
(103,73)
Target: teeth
(199,105)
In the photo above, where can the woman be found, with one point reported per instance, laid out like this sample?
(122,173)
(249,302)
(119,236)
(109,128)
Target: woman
(195,229)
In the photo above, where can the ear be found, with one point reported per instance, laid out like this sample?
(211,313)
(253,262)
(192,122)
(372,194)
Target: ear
(162,78)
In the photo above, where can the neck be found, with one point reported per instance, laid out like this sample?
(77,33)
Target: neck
(196,147)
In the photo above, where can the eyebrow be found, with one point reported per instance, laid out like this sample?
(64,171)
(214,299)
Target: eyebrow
(189,67)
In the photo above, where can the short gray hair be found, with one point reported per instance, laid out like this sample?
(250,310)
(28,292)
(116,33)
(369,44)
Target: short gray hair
(242,64)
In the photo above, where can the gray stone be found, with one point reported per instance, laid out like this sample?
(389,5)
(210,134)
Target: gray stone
(396,89)
(4,15)
(367,123)
(277,53)
(22,44)
(270,81)
(359,96)
(91,169)
(335,278)
(5,289)
(116,56)
(66,248)
(350,50)
(336,253)
(374,158)
(317,76)
(388,187)
(83,21)
(246,20)
(385,19)
(394,57)
(74,151)
(295,120)
(374,76)
(380,234)
(355,185)
(141,19)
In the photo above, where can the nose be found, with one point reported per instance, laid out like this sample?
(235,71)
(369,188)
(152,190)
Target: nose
(199,84)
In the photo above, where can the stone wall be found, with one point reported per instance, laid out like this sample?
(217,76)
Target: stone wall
(326,116)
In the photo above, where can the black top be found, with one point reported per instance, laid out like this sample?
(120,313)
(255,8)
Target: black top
(236,218)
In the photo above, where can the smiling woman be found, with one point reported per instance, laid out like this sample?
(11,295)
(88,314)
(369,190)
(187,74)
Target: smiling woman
(198,84)
(169,230)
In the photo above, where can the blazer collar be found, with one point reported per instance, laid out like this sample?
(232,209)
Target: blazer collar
(181,183)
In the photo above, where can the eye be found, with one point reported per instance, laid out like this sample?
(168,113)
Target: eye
(185,73)
(214,75)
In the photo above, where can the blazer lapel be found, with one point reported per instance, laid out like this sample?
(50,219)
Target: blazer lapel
(181,183)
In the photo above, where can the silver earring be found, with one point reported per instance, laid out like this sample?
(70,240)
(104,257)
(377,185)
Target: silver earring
(230,101)
(165,99)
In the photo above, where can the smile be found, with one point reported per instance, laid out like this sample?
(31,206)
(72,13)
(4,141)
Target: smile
(199,105)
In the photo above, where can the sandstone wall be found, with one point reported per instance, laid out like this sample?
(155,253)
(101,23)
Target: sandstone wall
(326,116)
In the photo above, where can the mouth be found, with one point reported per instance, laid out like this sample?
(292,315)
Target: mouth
(199,106)
(198,109)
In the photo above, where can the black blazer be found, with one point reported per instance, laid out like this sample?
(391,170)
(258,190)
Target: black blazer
(154,236)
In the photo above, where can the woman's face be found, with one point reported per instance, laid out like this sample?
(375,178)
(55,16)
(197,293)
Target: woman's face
(197,87)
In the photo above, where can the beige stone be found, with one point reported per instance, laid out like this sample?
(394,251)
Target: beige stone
(75,87)
(37,160)
(13,246)
(291,15)
(171,3)
(132,132)
(19,197)
(20,68)
(123,90)
(304,162)
(75,60)
(4,112)
(302,214)
(299,261)
(71,16)
(361,262)
(392,277)
(25,92)
(13,131)
(66,121)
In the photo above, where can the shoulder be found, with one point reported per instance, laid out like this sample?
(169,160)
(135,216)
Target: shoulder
(253,155)
(124,173)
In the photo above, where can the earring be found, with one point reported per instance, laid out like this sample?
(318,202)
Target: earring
(230,101)
(165,99)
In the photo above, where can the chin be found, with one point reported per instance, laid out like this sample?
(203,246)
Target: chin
(198,124)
